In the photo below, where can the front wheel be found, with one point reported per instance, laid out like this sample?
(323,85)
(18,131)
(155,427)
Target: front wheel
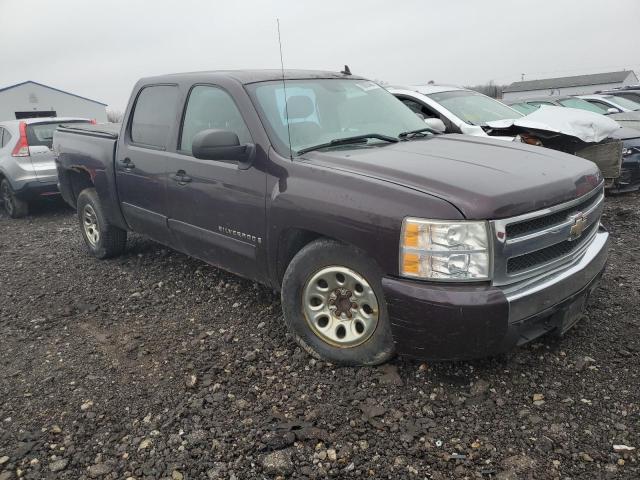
(103,239)
(334,305)
(15,207)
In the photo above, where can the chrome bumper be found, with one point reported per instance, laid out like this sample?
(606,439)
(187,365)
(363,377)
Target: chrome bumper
(533,296)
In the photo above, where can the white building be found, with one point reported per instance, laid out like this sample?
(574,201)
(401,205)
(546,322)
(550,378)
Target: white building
(32,99)
(578,85)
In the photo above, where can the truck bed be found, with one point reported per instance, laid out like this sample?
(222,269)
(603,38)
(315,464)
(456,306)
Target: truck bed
(85,153)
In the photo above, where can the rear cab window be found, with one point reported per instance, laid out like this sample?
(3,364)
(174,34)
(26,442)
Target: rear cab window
(154,115)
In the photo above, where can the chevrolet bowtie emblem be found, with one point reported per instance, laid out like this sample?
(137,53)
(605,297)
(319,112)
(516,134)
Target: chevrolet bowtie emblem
(579,224)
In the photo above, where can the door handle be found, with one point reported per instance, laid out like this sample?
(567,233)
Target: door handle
(181,177)
(127,164)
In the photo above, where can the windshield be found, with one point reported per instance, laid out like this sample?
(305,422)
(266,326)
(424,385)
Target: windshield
(635,95)
(321,110)
(41,134)
(624,102)
(524,108)
(474,108)
(582,105)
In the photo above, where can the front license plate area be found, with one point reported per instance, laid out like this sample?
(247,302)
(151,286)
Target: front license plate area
(573,313)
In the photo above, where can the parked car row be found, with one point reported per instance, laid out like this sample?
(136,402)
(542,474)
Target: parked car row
(632,92)
(383,235)
(586,133)
(625,112)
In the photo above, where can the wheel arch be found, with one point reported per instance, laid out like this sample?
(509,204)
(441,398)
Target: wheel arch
(72,182)
(292,240)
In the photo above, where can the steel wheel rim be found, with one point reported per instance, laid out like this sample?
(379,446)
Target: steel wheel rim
(6,199)
(90,223)
(340,306)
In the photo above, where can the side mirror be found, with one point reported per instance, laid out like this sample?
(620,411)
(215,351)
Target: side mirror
(611,110)
(436,124)
(215,144)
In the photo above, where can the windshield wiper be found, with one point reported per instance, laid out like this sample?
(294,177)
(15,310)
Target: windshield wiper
(348,140)
(413,133)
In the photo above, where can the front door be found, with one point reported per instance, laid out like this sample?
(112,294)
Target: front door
(216,210)
(141,161)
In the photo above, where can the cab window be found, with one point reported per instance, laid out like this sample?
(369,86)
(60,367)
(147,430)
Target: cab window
(154,114)
(211,107)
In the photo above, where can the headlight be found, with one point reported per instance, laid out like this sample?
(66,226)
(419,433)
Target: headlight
(443,250)
(626,151)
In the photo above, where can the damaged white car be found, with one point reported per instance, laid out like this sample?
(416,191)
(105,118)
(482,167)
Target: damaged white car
(458,110)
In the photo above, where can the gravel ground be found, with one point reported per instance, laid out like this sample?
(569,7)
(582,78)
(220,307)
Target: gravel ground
(155,365)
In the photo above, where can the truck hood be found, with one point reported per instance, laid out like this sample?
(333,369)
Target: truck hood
(590,127)
(483,178)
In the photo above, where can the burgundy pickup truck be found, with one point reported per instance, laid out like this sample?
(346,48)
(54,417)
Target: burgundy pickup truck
(383,237)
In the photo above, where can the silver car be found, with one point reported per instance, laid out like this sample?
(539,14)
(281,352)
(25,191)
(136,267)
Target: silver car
(27,166)
(612,103)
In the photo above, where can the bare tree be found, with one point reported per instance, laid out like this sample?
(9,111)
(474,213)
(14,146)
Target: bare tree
(490,89)
(114,116)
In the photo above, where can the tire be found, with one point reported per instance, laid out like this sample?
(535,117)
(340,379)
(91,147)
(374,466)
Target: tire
(14,206)
(103,239)
(318,307)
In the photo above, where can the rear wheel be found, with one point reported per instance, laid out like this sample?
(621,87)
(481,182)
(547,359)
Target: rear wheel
(103,239)
(334,305)
(15,207)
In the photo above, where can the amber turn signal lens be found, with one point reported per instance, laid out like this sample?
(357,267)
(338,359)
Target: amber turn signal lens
(411,235)
(411,264)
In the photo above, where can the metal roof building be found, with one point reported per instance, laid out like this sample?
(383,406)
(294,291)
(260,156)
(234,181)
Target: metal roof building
(32,99)
(577,85)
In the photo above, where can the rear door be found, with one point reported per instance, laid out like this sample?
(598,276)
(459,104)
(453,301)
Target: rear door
(216,210)
(141,160)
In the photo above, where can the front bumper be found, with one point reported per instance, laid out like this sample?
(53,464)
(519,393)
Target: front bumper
(455,322)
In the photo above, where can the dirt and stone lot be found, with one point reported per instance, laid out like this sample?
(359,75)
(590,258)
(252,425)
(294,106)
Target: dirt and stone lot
(155,365)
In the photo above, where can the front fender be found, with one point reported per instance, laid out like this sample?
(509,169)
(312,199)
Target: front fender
(360,211)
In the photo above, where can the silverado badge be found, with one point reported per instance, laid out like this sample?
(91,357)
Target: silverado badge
(579,224)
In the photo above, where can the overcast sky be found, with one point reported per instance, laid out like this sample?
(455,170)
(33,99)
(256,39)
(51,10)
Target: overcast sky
(98,49)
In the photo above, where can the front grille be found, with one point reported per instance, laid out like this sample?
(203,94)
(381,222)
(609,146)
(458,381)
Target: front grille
(549,254)
(526,227)
(607,155)
(537,242)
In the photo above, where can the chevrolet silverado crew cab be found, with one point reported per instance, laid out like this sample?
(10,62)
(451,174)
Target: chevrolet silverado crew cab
(382,236)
